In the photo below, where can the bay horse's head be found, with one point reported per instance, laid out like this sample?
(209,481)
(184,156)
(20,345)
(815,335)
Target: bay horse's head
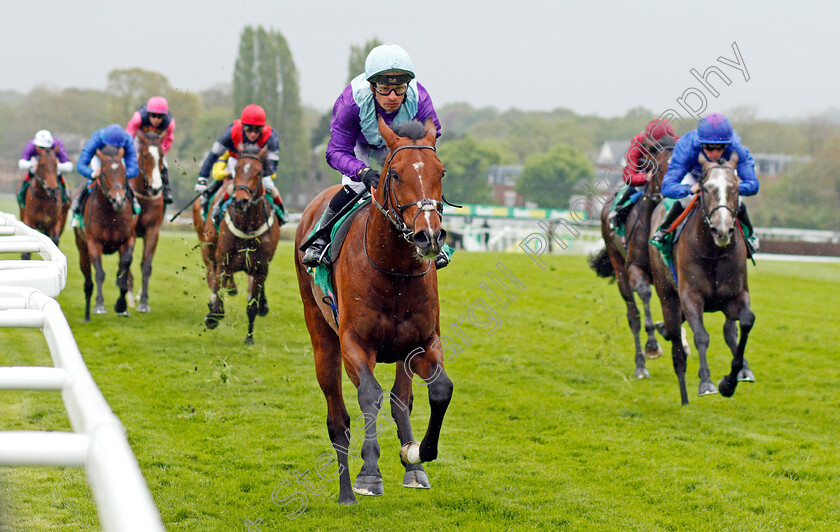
(111,179)
(150,159)
(410,188)
(46,173)
(719,197)
(247,179)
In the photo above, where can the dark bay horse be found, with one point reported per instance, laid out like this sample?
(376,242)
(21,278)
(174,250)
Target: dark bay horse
(388,309)
(147,188)
(710,260)
(246,240)
(45,209)
(630,266)
(108,228)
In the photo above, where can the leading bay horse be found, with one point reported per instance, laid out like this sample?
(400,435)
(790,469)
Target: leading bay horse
(630,266)
(387,308)
(108,227)
(710,261)
(245,242)
(147,188)
(45,209)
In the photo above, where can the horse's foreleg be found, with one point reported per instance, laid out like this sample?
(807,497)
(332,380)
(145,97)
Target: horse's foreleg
(149,245)
(740,370)
(692,305)
(641,285)
(216,308)
(126,255)
(428,365)
(84,265)
(672,331)
(369,479)
(256,289)
(634,322)
(99,276)
(402,402)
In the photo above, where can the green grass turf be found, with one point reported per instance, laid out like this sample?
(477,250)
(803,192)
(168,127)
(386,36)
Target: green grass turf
(546,430)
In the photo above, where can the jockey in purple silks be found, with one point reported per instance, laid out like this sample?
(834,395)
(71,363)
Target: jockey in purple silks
(29,162)
(155,117)
(386,89)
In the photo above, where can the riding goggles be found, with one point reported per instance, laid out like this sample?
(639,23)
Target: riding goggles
(250,128)
(386,89)
(155,115)
(712,147)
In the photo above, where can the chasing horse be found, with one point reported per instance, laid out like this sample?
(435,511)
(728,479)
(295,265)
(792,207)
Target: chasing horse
(245,241)
(626,258)
(708,273)
(384,307)
(148,189)
(107,227)
(44,202)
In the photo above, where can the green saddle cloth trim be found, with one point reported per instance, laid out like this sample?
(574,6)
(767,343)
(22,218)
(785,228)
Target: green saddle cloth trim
(21,195)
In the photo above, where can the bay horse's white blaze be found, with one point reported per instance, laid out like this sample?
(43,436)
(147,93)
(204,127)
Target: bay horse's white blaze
(722,220)
(418,166)
(157,182)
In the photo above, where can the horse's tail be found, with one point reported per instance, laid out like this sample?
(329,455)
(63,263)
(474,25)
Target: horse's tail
(602,265)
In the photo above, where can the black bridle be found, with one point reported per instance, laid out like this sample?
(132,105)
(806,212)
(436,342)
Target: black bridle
(254,194)
(394,210)
(707,216)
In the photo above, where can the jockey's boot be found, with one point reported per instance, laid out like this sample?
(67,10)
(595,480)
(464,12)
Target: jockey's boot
(279,208)
(79,201)
(751,238)
(442,259)
(618,214)
(316,253)
(167,190)
(660,238)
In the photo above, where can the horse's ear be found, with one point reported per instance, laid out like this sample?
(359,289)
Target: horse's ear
(389,136)
(733,160)
(431,131)
(240,147)
(262,152)
(100,154)
(120,153)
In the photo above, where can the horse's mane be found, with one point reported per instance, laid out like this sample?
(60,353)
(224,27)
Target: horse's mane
(412,129)
(109,150)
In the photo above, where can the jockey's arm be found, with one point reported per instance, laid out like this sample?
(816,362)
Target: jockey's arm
(168,137)
(134,124)
(220,170)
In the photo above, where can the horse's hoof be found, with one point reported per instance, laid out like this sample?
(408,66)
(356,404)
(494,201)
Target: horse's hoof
(416,479)
(745,375)
(124,314)
(369,485)
(262,310)
(706,388)
(410,453)
(653,352)
(727,389)
(641,373)
(210,322)
(249,340)
(144,307)
(99,309)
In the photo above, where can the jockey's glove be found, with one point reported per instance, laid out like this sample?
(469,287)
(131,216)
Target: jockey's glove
(201,186)
(369,177)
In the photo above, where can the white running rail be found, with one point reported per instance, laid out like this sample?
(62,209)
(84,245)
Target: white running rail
(98,441)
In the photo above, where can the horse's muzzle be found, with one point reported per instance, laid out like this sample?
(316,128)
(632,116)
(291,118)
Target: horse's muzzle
(429,244)
(722,234)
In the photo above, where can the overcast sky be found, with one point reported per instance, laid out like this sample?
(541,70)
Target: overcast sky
(600,58)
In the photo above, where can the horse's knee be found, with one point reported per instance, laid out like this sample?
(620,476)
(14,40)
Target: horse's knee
(440,390)
(747,319)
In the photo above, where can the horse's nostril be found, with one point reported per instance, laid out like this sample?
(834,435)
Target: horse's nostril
(421,239)
(440,237)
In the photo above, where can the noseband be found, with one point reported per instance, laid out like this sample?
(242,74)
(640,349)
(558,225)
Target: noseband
(394,210)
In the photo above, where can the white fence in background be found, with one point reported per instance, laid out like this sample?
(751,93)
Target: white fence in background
(98,441)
